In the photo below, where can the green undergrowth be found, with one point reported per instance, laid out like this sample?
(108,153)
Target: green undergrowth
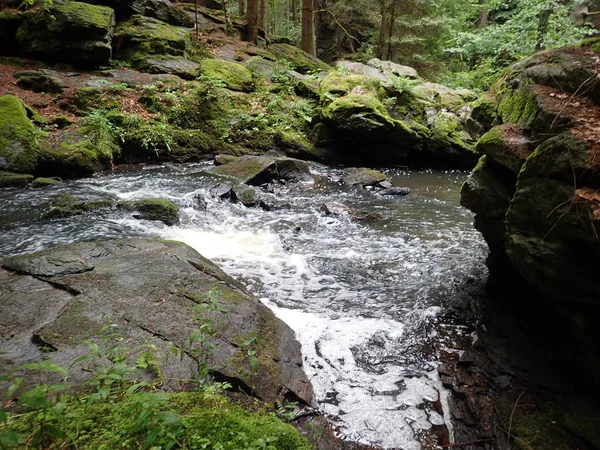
(120,405)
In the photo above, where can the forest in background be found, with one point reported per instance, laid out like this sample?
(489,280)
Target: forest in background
(462,43)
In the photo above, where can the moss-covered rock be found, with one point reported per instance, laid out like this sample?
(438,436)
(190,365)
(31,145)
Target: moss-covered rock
(224,159)
(19,144)
(359,113)
(154,209)
(175,65)
(506,145)
(244,194)
(9,179)
(51,33)
(9,23)
(442,96)
(363,177)
(483,111)
(44,182)
(257,170)
(234,75)
(38,81)
(299,59)
(66,205)
(142,36)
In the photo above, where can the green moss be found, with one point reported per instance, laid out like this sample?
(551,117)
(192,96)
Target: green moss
(484,111)
(338,84)
(298,59)
(84,15)
(141,36)
(43,182)
(65,205)
(9,179)
(344,107)
(234,75)
(39,82)
(154,209)
(593,43)
(19,144)
(519,106)
(87,98)
(491,138)
(447,128)
(207,422)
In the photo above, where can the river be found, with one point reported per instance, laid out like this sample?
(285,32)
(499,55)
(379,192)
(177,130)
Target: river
(369,302)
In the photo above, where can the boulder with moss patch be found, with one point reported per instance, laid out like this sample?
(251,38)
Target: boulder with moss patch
(67,205)
(142,36)
(360,176)
(299,60)
(19,139)
(39,81)
(10,179)
(257,170)
(233,75)
(46,181)
(51,33)
(159,209)
(536,196)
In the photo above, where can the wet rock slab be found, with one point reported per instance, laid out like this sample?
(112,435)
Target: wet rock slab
(53,300)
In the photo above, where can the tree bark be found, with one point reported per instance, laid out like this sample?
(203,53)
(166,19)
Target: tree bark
(242,8)
(294,10)
(252,18)
(263,15)
(484,17)
(386,31)
(308,27)
(543,20)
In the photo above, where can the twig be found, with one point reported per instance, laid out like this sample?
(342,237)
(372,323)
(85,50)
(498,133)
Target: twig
(571,98)
(512,413)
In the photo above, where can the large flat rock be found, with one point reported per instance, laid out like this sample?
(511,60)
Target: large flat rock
(51,301)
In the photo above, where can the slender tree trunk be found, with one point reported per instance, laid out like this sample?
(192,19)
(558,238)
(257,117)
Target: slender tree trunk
(263,15)
(242,8)
(252,17)
(386,31)
(484,17)
(308,27)
(543,20)
(228,22)
(294,10)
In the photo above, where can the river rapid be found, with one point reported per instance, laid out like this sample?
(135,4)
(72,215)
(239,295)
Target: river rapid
(371,303)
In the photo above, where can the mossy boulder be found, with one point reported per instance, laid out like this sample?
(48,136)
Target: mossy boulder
(483,111)
(66,205)
(234,75)
(358,113)
(224,159)
(19,144)
(244,194)
(298,59)
(442,96)
(51,33)
(257,170)
(46,181)
(9,179)
(506,145)
(175,65)
(142,36)
(363,177)
(159,209)
(76,152)
(38,81)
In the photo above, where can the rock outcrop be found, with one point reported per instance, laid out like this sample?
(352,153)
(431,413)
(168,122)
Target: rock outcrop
(150,290)
(399,119)
(535,190)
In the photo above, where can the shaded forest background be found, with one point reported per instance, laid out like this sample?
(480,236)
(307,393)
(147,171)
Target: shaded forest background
(463,43)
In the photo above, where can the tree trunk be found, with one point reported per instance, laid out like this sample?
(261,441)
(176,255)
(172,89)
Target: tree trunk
(543,20)
(263,15)
(252,17)
(386,30)
(308,27)
(242,8)
(484,17)
(228,22)
(294,10)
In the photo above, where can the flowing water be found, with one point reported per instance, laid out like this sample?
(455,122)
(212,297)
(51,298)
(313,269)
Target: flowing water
(368,301)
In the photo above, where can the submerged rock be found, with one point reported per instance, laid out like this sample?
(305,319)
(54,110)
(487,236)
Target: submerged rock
(44,182)
(339,209)
(153,292)
(66,205)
